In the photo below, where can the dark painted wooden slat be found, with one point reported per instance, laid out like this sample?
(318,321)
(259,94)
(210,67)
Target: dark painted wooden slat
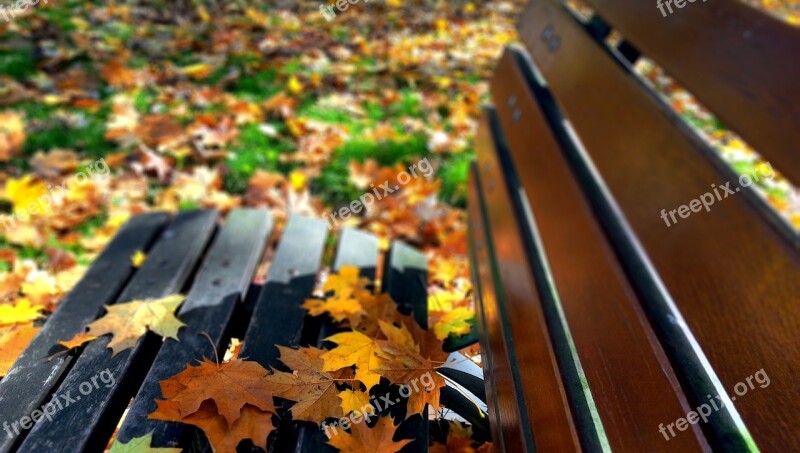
(87,424)
(219,286)
(406,279)
(278,316)
(473,384)
(32,378)
(355,248)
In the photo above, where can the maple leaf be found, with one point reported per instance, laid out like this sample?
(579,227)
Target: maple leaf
(14,340)
(363,439)
(230,385)
(354,400)
(140,445)
(21,312)
(129,321)
(313,389)
(253,424)
(78,340)
(25,191)
(354,348)
(456,322)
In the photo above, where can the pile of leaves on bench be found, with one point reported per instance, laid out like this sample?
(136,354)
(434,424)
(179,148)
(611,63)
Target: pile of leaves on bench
(239,399)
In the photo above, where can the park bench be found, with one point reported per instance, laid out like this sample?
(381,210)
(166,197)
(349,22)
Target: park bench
(221,303)
(600,326)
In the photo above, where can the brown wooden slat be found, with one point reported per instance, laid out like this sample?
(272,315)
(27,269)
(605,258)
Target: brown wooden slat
(741,63)
(734,279)
(623,363)
(524,335)
(502,406)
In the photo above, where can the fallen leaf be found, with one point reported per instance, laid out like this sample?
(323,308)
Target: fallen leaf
(19,313)
(230,385)
(127,322)
(14,340)
(456,322)
(138,258)
(363,439)
(313,389)
(140,445)
(354,349)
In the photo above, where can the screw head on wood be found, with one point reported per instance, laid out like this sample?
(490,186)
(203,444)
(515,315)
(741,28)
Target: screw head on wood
(547,33)
(554,44)
(516,115)
(512,100)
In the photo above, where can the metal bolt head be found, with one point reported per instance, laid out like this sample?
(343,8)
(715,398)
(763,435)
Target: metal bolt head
(516,115)
(554,43)
(547,33)
(512,101)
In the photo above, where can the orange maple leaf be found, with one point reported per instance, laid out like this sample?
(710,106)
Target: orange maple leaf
(363,439)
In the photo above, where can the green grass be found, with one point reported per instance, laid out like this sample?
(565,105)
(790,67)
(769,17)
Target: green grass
(255,151)
(18,64)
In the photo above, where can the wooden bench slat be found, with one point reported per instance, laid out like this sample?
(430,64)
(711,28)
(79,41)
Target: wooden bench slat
(738,61)
(501,400)
(279,315)
(33,377)
(517,295)
(219,286)
(355,248)
(702,279)
(88,423)
(620,356)
(405,278)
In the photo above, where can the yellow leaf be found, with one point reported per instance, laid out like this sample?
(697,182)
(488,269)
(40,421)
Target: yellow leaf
(399,336)
(24,191)
(294,86)
(354,400)
(140,445)
(21,312)
(138,258)
(129,321)
(13,341)
(297,180)
(456,322)
(354,348)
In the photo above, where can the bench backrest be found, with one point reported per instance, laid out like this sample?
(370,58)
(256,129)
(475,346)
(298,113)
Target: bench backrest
(601,324)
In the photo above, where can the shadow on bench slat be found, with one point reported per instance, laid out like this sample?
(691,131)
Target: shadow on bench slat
(33,377)
(88,424)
